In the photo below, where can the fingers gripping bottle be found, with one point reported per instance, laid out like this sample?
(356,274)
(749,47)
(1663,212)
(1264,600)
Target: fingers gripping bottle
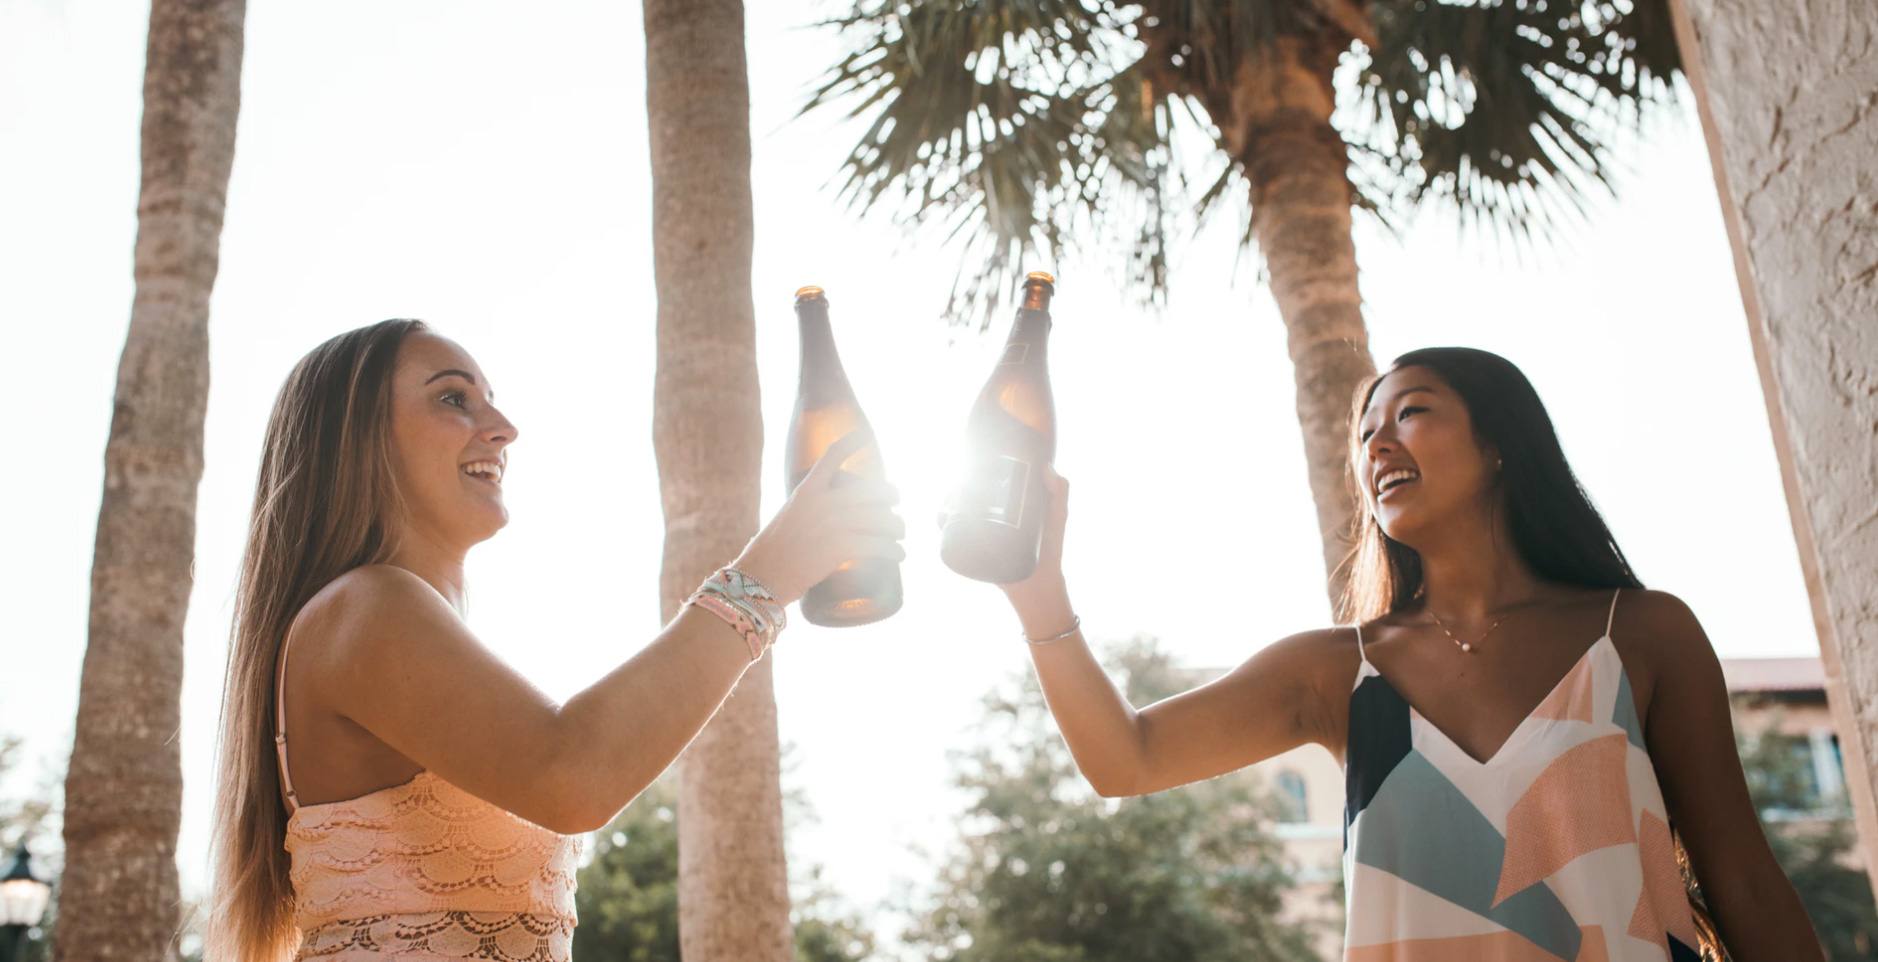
(994,525)
(865,590)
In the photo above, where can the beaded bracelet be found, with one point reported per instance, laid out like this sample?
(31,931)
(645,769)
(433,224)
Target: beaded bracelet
(746,605)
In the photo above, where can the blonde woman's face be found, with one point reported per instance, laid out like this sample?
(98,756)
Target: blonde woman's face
(450,442)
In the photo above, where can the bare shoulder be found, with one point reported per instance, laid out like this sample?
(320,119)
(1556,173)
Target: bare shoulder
(1318,652)
(364,607)
(1307,674)
(1659,620)
(1658,633)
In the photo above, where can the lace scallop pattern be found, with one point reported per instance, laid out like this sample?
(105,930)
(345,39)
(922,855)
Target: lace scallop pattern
(498,936)
(426,867)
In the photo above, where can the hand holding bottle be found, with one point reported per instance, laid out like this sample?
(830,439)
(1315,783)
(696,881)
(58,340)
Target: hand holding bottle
(830,519)
(1042,600)
(862,590)
(994,525)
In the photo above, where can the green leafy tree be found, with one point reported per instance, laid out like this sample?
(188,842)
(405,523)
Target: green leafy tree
(32,818)
(1813,839)
(1110,127)
(1049,872)
(628,894)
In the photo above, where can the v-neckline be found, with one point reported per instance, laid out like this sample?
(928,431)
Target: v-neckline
(1524,720)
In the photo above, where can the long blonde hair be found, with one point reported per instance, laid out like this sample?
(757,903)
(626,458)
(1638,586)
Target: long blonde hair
(326,502)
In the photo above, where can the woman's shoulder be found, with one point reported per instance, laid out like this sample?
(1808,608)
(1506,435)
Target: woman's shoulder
(1331,640)
(365,603)
(1657,623)
(1659,608)
(1329,656)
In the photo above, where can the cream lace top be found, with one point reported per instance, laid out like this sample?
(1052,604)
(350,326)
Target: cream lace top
(424,872)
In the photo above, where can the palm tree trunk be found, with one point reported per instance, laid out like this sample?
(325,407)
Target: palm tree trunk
(1278,125)
(123,791)
(708,434)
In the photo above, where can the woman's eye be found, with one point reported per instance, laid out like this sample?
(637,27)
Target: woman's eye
(1408,411)
(454,398)
(1364,437)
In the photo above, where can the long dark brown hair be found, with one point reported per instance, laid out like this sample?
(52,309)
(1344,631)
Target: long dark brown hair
(1553,524)
(326,502)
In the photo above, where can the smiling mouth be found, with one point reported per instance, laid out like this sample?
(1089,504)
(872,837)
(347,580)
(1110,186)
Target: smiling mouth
(486,471)
(1395,479)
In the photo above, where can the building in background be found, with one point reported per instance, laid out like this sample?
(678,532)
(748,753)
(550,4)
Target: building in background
(1785,699)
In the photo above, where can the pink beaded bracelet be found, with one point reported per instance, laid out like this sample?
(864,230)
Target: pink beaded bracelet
(746,605)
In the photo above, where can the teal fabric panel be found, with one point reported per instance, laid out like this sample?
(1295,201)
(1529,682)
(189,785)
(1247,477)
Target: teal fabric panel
(1421,829)
(1625,713)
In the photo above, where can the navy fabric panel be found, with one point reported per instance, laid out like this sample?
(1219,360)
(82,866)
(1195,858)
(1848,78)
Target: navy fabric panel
(1679,952)
(1378,741)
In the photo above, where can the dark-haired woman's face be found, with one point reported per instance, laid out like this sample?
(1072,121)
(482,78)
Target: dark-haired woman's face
(1417,460)
(450,443)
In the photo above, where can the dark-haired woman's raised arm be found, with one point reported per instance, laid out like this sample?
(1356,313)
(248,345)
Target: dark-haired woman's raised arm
(1284,696)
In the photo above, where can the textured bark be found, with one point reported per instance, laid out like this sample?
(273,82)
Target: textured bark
(1276,120)
(708,433)
(123,792)
(1787,104)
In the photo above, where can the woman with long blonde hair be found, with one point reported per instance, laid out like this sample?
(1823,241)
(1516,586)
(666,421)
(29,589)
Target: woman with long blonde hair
(387,786)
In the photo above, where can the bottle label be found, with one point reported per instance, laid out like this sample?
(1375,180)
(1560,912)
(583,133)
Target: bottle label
(1014,353)
(996,491)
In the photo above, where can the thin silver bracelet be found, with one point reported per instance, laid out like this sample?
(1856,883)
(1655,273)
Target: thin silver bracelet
(1075,625)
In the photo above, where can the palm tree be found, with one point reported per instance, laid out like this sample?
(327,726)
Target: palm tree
(123,792)
(708,435)
(1059,126)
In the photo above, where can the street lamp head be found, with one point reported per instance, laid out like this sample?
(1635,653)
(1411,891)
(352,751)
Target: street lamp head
(23,894)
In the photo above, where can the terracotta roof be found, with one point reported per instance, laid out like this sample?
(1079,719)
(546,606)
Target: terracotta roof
(1774,674)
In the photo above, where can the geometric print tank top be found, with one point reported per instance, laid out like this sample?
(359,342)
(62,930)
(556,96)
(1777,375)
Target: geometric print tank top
(1556,848)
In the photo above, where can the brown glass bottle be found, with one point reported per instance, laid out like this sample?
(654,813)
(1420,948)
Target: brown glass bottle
(994,525)
(865,590)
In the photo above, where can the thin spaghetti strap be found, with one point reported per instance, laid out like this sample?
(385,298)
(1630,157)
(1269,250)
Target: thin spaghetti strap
(1360,653)
(1612,620)
(280,723)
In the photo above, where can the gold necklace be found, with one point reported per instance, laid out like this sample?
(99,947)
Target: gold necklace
(1464,646)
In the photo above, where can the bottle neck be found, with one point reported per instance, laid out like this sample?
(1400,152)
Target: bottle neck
(812,321)
(1031,327)
(821,363)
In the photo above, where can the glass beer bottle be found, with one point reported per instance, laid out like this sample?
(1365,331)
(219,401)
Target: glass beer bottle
(865,590)
(994,525)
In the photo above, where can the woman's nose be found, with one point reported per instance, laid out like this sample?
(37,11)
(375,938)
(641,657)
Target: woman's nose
(500,430)
(1379,443)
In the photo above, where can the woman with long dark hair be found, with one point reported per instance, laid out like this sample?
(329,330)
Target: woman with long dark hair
(1521,722)
(388,788)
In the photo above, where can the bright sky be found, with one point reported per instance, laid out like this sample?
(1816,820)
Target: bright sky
(487,171)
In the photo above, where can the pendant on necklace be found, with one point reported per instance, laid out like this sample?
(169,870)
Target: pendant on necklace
(1465,647)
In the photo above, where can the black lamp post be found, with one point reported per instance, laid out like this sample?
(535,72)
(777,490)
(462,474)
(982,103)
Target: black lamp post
(23,899)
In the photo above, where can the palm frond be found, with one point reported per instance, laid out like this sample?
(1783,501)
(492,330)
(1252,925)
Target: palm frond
(1014,126)
(1029,130)
(1508,107)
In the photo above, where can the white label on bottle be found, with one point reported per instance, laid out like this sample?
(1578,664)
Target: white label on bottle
(997,491)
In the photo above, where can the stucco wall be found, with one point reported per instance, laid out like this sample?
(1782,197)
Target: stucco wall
(1789,93)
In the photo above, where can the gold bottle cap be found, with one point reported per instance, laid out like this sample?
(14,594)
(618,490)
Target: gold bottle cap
(1038,287)
(808,293)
